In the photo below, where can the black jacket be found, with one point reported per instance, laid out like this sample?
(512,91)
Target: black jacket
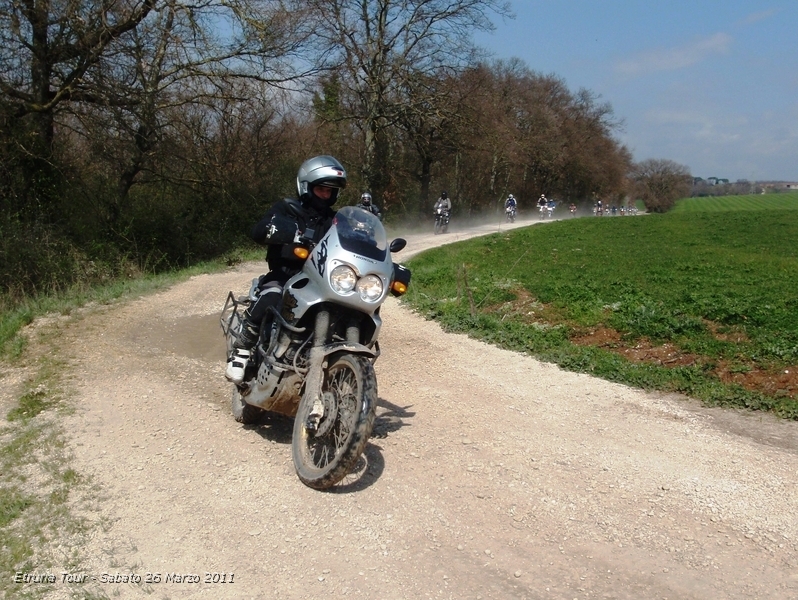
(372,208)
(283,264)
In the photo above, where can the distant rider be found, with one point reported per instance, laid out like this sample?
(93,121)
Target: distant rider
(367,204)
(443,202)
(510,203)
(542,202)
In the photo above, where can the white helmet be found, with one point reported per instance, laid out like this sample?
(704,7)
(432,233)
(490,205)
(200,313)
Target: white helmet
(365,198)
(320,170)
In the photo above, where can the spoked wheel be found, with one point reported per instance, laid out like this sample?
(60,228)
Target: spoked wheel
(325,456)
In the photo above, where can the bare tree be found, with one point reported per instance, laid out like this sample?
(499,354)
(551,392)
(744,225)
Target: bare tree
(383,46)
(127,61)
(659,183)
(433,113)
(527,134)
(176,60)
(47,50)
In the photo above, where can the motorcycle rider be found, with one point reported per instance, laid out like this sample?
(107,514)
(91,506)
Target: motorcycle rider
(510,203)
(443,202)
(542,202)
(367,204)
(318,181)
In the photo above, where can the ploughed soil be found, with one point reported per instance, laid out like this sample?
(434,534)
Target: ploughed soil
(770,381)
(489,474)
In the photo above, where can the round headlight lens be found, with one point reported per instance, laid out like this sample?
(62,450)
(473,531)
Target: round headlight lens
(342,279)
(370,288)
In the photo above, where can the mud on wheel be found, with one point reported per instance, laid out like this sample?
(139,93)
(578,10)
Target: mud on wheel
(324,457)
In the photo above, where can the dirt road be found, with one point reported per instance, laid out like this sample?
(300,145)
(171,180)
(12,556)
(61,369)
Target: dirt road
(490,475)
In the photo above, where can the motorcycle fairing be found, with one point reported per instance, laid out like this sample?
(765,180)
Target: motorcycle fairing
(319,256)
(358,240)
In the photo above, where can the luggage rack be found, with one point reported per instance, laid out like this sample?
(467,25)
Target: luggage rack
(232,314)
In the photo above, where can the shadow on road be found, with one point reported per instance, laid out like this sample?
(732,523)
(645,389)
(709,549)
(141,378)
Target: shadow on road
(391,419)
(367,471)
(273,427)
(370,466)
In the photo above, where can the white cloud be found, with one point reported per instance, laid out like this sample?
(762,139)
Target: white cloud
(715,126)
(759,16)
(718,143)
(672,59)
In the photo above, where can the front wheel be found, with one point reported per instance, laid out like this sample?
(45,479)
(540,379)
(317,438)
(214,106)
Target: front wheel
(324,456)
(437,226)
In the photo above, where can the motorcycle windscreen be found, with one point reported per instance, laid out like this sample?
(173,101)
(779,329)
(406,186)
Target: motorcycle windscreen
(360,232)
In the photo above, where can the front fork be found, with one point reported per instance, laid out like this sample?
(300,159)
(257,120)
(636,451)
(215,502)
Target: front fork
(314,379)
(319,400)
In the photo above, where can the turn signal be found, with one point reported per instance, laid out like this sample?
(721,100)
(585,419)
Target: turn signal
(301,252)
(398,288)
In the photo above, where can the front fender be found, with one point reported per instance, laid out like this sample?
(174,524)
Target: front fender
(350,348)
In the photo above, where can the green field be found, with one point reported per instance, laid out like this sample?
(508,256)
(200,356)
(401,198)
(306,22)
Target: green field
(755,202)
(703,302)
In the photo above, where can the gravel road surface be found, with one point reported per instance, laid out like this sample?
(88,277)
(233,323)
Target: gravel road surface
(489,474)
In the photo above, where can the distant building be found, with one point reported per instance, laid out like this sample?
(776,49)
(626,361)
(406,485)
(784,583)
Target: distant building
(718,186)
(780,186)
(716,181)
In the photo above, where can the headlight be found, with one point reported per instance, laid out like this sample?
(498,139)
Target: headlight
(342,279)
(370,288)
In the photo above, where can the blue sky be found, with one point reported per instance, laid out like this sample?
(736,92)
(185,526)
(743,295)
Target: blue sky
(710,84)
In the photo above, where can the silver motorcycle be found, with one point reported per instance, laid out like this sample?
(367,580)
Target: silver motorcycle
(314,360)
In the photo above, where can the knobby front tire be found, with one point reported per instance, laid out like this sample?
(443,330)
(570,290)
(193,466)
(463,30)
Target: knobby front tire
(324,457)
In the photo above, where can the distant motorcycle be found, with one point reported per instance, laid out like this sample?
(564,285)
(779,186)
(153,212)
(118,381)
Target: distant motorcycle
(510,214)
(441,220)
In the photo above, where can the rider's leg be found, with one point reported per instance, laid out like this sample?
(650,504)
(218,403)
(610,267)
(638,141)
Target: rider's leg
(268,296)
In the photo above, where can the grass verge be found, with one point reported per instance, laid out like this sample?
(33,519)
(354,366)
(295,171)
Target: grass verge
(15,314)
(41,531)
(45,504)
(703,304)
